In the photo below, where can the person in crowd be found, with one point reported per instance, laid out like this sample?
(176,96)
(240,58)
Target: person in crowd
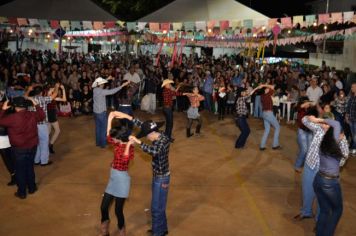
(159,150)
(314,92)
(118,187)
(304,135)
(168,93)
(87,100)
(332,148)
(241,116)
(126,98)
(268,118)
(351,117)
(208,87)
(193,112)
(151,84)
(21,126)
(42,154)
(99,108)
(52,116)
(221,98)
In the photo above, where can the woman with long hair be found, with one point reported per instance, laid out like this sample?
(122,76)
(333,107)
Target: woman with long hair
(333,152)
(118,187)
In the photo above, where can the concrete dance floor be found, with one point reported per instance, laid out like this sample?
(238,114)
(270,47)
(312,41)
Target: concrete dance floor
(215,189)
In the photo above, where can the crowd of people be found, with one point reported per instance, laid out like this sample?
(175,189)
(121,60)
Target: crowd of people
(38,86)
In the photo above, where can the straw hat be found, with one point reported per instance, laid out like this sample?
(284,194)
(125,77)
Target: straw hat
(99,81)
(167,81)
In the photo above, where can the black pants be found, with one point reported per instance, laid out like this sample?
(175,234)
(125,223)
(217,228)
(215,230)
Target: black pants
(168,114)
(119,209)
(8,159)
(221,106)
(190,123)
(25,173)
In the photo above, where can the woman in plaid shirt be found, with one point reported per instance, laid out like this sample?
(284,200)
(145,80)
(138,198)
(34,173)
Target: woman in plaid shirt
(193,112)
(119,184)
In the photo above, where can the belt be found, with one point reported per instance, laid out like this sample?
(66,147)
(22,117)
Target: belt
(164,175)
(124,105)
(327,176)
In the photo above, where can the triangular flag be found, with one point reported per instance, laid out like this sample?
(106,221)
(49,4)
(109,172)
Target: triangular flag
(154,27)
(141,25)
(177,26)
(109,24)
(131,26)
(272,22)
(286,22)
(98,25)
(75,25)
(87,25)
(34,22)
(336,17)
(44,24)
(323,18)
(54,24)
(224,25)
(248,24)
(65,25)
(310,20)
(189,26)
(348,16)
(22,21)
(200,25)
(298,20)
(165,27)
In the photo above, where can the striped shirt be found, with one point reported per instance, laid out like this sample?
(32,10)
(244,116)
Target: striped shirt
(43,102)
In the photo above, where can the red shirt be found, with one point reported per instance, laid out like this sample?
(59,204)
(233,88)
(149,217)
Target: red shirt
(121,161)
(22,127)
(301,113)
(266,100)
(168,95)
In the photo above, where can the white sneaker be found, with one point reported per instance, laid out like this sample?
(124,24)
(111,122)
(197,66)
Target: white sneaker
(353,152)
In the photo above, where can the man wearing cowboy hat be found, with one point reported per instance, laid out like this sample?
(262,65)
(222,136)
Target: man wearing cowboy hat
(168,93)
(23,134)
(159,150)
(99,108)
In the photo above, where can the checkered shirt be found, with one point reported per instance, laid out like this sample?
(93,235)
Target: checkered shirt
(313,158)
(351,108)
(241,108)
(43,102)
(159,151)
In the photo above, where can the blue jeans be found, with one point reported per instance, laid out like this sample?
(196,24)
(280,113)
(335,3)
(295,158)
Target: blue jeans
(257,107)
(328,193)
(42,154)
(168,114)
(208,101)
(353,134)
(304,139)
(127,110)
(160,187)
(241,122)
(101,122)
(268,120)
(25,174)
(308,190)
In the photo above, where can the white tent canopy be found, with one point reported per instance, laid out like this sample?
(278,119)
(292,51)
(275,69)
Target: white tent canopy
(203,10)
(76,10)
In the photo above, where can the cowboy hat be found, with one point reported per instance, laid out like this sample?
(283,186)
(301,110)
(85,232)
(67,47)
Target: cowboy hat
(20,102)
(99,81)
(148,127)
(167,81)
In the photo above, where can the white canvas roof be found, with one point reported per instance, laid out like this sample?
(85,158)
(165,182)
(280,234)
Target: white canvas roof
(203,10)
(56,10)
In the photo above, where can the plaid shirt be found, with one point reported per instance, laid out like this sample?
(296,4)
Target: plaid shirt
(241,108)
(195,99)
(168,95)
(266,100)
(121,162)
(43,102)
(313,158)
(351,108)
(159,151)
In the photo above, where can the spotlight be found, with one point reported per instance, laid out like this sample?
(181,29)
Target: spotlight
(263,27)
(113,40)
(314,24)
(289,31)
(325,27)
(209,30)
(48,36)
(11,31)
(164,31)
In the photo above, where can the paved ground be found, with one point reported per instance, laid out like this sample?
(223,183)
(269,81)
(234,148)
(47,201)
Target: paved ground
(215,189)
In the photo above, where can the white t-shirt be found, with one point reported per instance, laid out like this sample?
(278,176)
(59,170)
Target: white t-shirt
(338,84)
(4,142)
(314,94)
(133,78)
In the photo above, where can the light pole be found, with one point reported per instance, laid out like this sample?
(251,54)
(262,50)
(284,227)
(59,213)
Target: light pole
(325,28)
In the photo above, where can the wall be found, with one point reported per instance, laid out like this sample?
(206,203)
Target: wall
(339,61)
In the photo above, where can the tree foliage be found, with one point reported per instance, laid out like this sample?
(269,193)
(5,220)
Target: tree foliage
(132,9)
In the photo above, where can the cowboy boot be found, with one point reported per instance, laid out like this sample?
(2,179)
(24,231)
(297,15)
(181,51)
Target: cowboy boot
(104,228)
(188,133)
(12,181)
(122,232)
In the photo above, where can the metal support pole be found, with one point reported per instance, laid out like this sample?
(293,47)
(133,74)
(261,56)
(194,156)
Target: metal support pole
(324,43)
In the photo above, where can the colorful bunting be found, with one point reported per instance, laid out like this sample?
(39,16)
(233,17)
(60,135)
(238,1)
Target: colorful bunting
(177,26)
(248,24)
(336,17)
(235,24)
(272,22)
(200,25)
(22,21)
(298,20)
(141,25)
(189,26)
(44,24)
(109,24)
(154,27)
(65,24)
(54,24)
(3,20)
(310,20)
(211,24)
(75,25)
(165,27)
(131,26)
(224,25)
(286,22)
(98,25)
(324,18)
(34,22)
(348,16)
(87,25)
